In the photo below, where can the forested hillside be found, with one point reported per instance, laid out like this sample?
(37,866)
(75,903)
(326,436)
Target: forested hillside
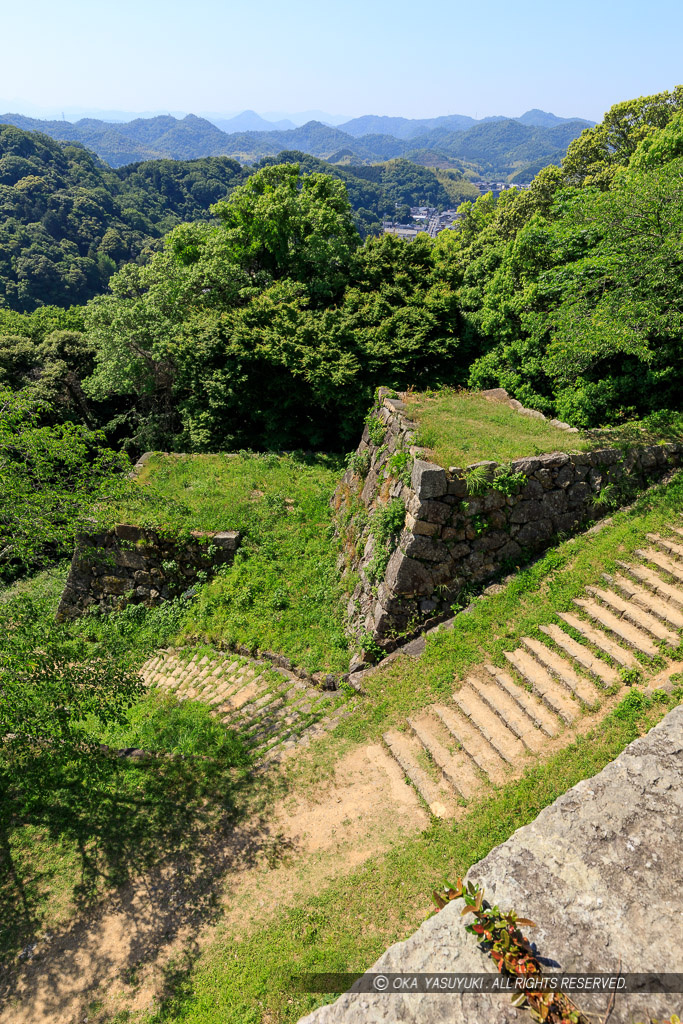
(67,221)
(496,147)
(270,326)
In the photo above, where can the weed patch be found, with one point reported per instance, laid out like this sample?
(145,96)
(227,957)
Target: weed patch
(462,427)
(284,592)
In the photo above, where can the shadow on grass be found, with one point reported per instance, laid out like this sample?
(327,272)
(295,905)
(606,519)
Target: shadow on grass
(147,849)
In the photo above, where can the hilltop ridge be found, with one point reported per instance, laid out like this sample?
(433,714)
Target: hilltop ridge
(499,146)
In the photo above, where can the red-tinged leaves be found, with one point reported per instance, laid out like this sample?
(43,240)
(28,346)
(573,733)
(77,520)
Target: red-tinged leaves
(513,955)
(441,903)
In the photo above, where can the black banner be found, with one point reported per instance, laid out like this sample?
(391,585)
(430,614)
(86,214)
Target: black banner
(446,983)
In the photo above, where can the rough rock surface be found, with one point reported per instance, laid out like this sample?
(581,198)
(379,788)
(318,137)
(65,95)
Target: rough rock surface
(129,564)
(600,871)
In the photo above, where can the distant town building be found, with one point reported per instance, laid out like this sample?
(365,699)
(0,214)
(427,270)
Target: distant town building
(428,219)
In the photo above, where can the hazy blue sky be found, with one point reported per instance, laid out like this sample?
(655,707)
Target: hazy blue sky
(353,57)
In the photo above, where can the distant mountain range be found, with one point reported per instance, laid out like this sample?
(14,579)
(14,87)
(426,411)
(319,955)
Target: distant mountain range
(410,128)
(504,148)
(250,121)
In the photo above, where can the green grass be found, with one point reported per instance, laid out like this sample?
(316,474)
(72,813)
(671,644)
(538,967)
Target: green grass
(349,923)
(161,722)
(46,585)
(462,427)
(495,622)
(64,849)
(284,592)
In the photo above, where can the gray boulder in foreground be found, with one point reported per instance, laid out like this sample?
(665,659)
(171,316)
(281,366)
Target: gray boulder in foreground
(600,871)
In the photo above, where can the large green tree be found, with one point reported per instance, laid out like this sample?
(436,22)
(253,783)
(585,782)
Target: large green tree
(272,329)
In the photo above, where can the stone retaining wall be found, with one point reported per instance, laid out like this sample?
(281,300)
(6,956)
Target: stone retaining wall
(450,538)
(129,564)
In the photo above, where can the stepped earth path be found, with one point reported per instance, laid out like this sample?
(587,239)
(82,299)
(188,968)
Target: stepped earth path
(500,718)
(272,709)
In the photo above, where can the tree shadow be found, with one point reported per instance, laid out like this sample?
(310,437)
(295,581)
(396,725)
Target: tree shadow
(153,843)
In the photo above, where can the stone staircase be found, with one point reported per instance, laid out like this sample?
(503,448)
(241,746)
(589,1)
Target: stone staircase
(272,709)
(502,715)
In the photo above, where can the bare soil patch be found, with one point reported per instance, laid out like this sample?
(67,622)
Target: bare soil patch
(120,956)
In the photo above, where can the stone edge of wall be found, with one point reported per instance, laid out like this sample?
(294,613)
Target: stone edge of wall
(501,395)
(321,680)
(451,540)
(132,564)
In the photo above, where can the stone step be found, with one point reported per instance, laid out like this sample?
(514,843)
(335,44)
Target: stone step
(259,712)
(531,706)
(562,670)
(666,545)
(492,728)
(265,724)
(647,600)
(662,561)
(509,712)
(651,579)
(246,694)
(456,768)
(406,750)
(629,634)
(581,655)
(543,685)
(219,696)
(476,746)
(635,615)
(600,640)
(149,668)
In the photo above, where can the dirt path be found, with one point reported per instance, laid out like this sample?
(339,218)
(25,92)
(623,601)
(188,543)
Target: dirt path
(120,956)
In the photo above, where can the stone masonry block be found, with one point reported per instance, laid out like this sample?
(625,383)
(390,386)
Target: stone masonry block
(428,480)
(228,540)
(565,476)
(419,526)
(134,534)
(431,511)
(407,576)
(418,546)
(535,533)
(579,493)
(554,502)
(526,512)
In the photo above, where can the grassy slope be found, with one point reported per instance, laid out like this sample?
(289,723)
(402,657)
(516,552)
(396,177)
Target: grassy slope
(460,428)
(350,922)
(283,592)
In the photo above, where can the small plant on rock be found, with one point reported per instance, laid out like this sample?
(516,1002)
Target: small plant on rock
(400,466)
(386,523)
(359,462)
(512,953)
(507,482)
(631,676)
(376,429)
